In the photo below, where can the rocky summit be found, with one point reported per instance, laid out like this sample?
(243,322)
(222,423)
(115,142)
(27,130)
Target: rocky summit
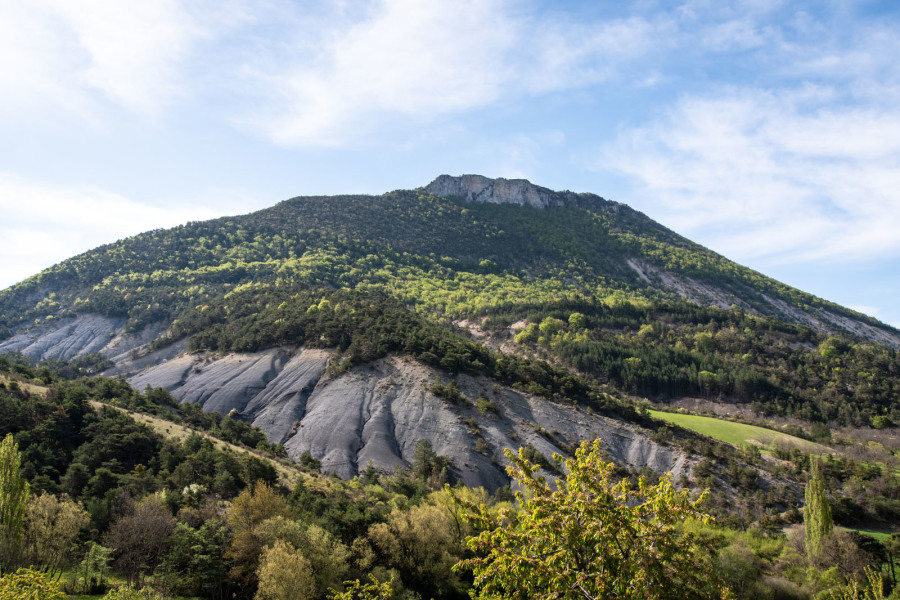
(477,188)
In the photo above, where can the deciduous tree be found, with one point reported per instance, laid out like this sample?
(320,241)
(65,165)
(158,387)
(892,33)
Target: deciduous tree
(51,527)
(588,537)
(14,493)
(816,512)
(285,575)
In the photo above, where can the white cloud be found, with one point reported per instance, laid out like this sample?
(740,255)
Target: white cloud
(70,55)
(408,62)
(773,174)
(45,224)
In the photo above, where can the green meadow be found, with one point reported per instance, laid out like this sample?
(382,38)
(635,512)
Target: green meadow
(737,433)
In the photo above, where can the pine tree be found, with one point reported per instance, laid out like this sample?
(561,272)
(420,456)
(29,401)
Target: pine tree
(14,491)
(817,512)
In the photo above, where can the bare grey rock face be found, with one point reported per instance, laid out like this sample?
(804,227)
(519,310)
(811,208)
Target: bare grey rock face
(706,294)
(477,188)
(379,412)
(71,337)
(66,338)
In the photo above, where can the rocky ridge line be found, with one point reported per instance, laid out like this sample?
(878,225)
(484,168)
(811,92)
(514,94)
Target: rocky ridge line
(477,188)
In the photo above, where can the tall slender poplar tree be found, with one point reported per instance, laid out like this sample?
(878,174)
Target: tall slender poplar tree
(817,512)
(14,492)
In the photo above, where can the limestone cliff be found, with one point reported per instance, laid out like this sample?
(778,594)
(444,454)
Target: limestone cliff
(477,188)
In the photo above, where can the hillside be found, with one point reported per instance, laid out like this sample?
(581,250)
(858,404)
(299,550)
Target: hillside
(658,316)
(442,254)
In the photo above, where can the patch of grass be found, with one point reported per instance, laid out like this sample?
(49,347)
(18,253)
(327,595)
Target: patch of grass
(881,536)
(37,390)
(738,433)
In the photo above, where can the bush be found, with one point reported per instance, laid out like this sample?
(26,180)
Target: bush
(27,584)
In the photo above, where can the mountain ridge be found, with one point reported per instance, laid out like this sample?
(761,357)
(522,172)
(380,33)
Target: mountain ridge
(595,234)
(595,287)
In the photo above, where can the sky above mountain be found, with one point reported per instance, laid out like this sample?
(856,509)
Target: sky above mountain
(767,130)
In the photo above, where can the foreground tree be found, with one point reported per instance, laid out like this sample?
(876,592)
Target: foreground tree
(28,584)
(253,507)
(14,492)
(589,538)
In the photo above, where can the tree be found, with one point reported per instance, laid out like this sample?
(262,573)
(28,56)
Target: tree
(14,492)
(51,527)
(589,538)
(252,507)
(194,564)
(129,592)
(141,537)
(816,512)
(422,543)
(284,574)
(92,568)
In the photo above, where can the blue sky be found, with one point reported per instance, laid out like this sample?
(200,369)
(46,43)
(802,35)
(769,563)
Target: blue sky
(766,130)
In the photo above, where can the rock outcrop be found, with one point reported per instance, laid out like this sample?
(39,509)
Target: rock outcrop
(71,337)
(379,412)
(477,188)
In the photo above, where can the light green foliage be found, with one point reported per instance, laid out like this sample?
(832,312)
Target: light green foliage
(328,556)
(646,330)
(833,348)
(703,341)
(577,321)
(89,574)
(284,574)
(589,538)
(816,512)
(51,527)
(248,512)
(871,589)
(28,584)
(14,493)
(423,543)
(529,334)
(550,326)
(130,592)
(356,590)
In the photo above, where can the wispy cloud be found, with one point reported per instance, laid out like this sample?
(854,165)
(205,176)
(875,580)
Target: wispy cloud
(770,174)
(801,165)
(413,62)
(67,55)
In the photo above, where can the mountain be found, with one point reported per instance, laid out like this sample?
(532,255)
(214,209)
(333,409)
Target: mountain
(476,313)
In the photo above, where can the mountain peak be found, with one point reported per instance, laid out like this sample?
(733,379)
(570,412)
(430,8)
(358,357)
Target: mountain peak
(477,188)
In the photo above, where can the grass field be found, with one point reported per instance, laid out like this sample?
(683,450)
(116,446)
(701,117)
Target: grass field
(881,536)
(738,433)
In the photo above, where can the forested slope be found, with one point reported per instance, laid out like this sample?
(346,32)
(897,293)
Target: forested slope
(660,316)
